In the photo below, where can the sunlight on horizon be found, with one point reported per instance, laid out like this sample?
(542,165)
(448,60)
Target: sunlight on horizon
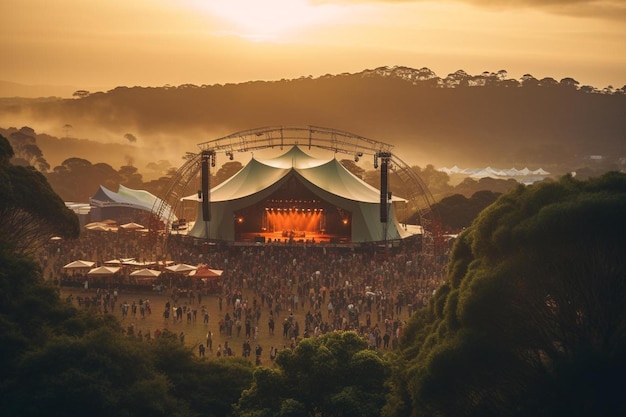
(269,20)
(103,44)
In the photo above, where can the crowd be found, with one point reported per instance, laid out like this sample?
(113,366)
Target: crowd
(288,292)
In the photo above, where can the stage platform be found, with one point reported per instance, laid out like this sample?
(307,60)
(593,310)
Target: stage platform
(286,237)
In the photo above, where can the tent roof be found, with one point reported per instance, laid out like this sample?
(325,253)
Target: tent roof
(131,226)
(328,175)
(104,270)
(138,199)
(206,272)
(294,158)
(79,264)
(145,273)
(181,268)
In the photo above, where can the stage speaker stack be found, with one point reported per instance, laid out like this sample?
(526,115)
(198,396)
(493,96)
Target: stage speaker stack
(206,197)
(384,173)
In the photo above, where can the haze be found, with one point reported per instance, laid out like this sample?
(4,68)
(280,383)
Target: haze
(98,44)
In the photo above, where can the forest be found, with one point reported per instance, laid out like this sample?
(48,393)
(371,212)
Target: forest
(530,321)
(458,119)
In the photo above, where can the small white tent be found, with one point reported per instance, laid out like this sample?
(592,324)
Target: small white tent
(294,175)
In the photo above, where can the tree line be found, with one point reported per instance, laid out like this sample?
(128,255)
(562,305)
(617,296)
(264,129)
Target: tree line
(464,119)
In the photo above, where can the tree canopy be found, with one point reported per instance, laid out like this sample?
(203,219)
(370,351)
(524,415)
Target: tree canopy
(30,211)
(532,320)
(331,375)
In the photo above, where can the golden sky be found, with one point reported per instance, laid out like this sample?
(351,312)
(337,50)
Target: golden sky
(106,43)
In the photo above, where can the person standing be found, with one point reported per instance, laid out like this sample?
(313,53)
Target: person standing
(209,341)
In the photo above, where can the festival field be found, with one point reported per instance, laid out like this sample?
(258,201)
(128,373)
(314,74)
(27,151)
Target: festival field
(195,331)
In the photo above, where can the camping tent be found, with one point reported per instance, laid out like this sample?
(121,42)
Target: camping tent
(292,173)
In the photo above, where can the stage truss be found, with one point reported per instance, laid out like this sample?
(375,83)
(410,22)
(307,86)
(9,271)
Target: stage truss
(419,198)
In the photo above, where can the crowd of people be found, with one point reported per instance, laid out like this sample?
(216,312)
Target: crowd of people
(288,292)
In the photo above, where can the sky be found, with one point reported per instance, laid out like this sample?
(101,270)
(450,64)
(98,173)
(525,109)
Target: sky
(101,44)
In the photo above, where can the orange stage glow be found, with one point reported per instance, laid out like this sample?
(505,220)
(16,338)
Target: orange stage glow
(294,221)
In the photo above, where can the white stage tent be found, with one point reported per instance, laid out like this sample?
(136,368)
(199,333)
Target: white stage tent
(328,180)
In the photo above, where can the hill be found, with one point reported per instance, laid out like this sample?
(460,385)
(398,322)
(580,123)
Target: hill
(461,119)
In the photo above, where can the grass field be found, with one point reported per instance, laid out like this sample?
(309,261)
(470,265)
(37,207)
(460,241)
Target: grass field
(195,332)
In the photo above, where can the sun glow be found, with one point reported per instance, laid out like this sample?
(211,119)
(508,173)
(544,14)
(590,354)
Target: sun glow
(267,20)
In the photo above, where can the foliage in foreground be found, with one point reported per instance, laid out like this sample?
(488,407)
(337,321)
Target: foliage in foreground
(532,320)
(57,360)
(30,211)
(332,375)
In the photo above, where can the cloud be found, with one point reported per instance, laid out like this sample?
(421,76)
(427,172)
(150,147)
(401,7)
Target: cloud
(604,9)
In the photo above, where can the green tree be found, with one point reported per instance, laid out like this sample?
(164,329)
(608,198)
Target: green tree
(80,93)
(103,372)
(436,181)
(73,180)
(332,375)
(26,150)
(130,177)
(30,212)
(77,179)
(351,166)
(208,388)
(532,318)
(458,212)
(225,172)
